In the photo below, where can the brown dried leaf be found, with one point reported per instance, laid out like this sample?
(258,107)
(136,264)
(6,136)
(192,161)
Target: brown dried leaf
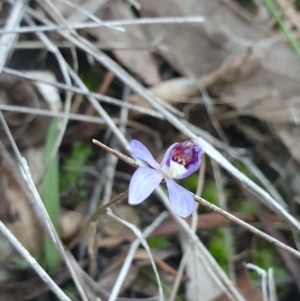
(31,288)
(125,212)
(169,228)
(171,91)
(159,258)
(291,13)
(290,136)
(268,96)
(198,48)
(198,273)
(25,226)
(27,129)
(110,275)
(6,253)
(70,222)
(180,89)
(108,281)
(279,74)
(244,284)
(140,62)
(269,91)
(21,218)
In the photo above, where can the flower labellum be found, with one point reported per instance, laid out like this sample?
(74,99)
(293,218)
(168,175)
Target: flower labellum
(180,161)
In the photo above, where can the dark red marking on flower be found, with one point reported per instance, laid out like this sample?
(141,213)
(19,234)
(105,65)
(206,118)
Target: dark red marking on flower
(185,153)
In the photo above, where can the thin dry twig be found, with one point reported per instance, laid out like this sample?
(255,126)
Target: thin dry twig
(100,109)
(272,285)
(248,227)
(86,11)
(143,241)
(150,45)
(52,10)
(212,267)
(97,187)
(94,219)
(78,90)
(227,231)
(82,12)
(109,171)
(112,24)
(72,116)
(7,41)
(64,70)
(194,226)
(117,154)
(33,263)
(291,264)
(263,275)
(88,47)
(201,86)
(264,181)
(112,161)
(131,252)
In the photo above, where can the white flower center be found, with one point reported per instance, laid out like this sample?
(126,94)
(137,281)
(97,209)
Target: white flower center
(174,170)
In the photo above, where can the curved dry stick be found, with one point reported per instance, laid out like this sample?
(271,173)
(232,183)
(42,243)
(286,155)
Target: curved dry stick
(33,263)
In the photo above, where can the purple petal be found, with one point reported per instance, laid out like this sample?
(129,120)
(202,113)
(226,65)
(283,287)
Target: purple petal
(166,159)
(182,159)
(181,201)
(142,183)
(140,151)
(191,169)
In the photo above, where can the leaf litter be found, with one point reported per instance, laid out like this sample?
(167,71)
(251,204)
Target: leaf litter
(251,76)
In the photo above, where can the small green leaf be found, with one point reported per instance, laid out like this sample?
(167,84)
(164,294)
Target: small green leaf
(160,242)
(92,80)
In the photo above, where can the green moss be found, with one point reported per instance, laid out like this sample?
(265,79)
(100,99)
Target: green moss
(217,248)
(160,242)
(265,258)
(210,193)
(244,207)
(191,182)
(73,166)
(92,80)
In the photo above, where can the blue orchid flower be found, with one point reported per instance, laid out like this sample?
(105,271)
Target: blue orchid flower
(180,161)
